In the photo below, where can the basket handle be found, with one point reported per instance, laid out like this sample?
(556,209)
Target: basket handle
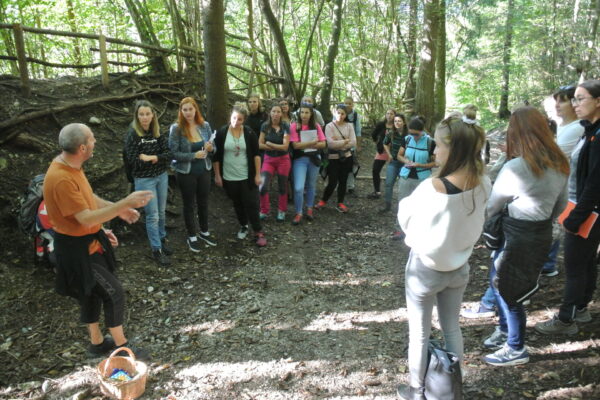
(114,354)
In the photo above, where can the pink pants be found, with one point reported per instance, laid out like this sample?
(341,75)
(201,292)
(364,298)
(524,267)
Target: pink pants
(274,165)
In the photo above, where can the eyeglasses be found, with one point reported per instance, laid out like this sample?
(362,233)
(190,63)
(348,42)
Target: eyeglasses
(575,101)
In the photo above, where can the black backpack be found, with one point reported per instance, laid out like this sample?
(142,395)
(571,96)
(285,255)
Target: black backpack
(29,206)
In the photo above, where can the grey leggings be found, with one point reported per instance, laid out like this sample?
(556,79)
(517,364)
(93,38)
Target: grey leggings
(423,287)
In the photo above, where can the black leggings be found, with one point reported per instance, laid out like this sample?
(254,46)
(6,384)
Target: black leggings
(194,192)
(107,292)
(245,202)
(581,272)
(377,167)
(337,175)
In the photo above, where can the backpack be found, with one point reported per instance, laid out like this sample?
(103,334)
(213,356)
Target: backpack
(30,203)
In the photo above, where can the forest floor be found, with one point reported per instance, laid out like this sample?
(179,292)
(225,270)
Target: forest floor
(319,313)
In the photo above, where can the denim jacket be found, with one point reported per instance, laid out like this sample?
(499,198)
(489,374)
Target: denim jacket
(182,148)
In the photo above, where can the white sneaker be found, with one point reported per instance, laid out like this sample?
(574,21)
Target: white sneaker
(243,232)
(507,356)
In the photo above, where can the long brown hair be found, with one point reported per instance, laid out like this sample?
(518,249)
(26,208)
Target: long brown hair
(465,142)
(529,136)
(182,122)
(154,126)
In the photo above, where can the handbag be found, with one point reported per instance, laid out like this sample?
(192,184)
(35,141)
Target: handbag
(443,377)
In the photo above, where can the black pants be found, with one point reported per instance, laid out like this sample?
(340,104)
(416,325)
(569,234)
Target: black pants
(337,175)
(377,167)
(581,256)
(194,192)
(245,202)
(107,292)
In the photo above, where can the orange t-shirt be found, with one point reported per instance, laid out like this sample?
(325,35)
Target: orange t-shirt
(67,192)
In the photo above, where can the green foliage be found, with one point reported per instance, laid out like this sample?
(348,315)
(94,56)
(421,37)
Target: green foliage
(549,47)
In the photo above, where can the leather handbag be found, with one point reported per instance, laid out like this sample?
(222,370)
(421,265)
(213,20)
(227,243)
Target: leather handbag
(443,378)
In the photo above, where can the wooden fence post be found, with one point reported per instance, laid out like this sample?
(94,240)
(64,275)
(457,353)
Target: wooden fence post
(22,58)
(103,60)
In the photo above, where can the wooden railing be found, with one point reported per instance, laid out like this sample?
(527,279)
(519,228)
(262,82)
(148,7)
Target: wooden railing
(23,60)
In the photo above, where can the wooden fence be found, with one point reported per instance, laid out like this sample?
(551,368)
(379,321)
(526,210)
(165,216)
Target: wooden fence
(23,60)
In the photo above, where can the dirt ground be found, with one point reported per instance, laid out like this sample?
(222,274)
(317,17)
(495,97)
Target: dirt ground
(318,313)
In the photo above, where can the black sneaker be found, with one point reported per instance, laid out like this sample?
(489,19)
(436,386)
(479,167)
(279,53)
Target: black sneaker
(102,349)
(207,239)
(194,244)
(139,353)
(164,244)
(161,258)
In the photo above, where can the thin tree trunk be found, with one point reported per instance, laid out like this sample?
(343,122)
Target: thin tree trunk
(140,15)
(332,51)
(424,97)
(440,64)
(215,68)
(592,40)
(253,50)
(411,83)
(286,64)
(73,26)
(504,112)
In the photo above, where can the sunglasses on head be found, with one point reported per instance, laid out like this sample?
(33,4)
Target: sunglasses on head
(566,87)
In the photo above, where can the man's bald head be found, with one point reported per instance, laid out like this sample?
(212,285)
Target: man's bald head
(72,136)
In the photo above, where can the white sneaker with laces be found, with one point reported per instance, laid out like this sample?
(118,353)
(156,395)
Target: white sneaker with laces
(243,232)
(507,356)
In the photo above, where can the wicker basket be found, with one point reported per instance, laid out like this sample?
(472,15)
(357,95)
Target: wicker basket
(123,390)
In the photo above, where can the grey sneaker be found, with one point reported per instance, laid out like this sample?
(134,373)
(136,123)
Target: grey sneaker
(243,232)
(406,392)
(507,356)
(582,316)
(496,340)
(555,326)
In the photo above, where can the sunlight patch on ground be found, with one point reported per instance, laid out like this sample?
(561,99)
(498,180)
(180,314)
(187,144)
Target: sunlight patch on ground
(347,281)
(341,282)
(208,328)
(354,319)
(309,379)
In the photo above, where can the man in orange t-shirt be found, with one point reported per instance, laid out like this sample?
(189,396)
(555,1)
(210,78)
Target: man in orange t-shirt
(83,248)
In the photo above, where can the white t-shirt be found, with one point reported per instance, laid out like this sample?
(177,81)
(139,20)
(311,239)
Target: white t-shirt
(568,135)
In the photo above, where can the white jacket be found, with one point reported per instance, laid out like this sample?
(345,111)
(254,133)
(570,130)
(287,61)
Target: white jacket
(441,228)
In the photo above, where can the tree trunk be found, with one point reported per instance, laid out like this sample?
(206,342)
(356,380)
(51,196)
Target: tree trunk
(424,98)
(286,64)
(504,112)
(592,49)
(140,15)
(73,26)
(253,50)
(440,66)
(332,51)
(215,68)
(411,84)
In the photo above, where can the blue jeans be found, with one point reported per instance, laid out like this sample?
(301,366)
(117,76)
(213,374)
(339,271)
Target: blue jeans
(155,209)
(489,298)
(305,172)
(550,265)
(391,176)
(512,319)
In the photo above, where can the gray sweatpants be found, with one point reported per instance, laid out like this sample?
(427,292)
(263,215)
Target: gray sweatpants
(423,287)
